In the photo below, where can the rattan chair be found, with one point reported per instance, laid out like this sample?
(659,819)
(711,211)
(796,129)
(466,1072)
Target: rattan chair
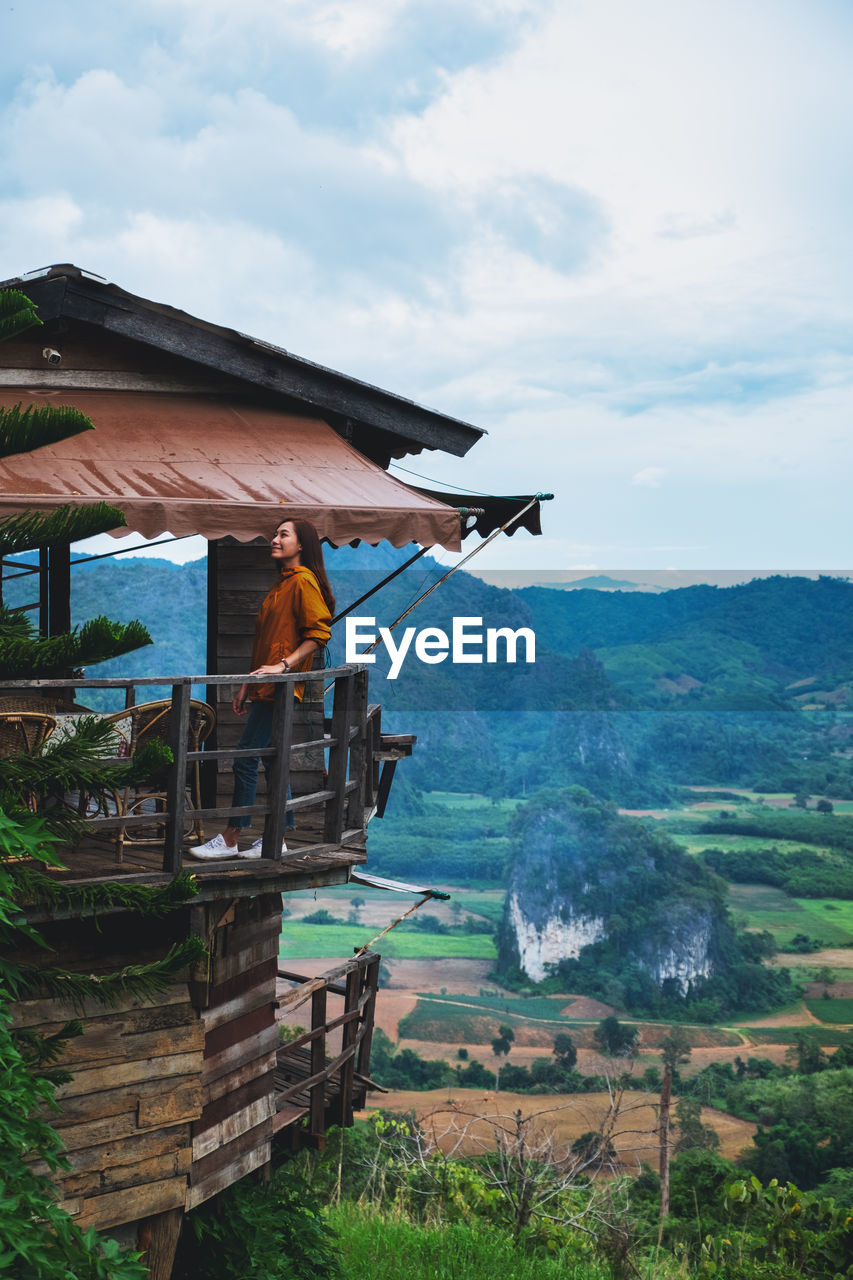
(152,722)
(24,726)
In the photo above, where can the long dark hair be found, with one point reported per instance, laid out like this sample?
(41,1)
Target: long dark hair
(311,557)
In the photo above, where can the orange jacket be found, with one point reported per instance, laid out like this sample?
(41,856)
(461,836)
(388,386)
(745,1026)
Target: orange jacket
(293,611)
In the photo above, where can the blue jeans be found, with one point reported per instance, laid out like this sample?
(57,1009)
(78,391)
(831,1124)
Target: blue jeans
(257,733)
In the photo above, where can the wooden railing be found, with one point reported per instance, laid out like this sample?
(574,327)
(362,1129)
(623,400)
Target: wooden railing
(357,757)
(317,1081)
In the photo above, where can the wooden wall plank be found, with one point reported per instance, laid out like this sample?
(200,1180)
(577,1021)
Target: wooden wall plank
(128,1205)
(135,1034)
(98,1183)
(238,1096)
(239,1030)
(96,1079)
(232,1126)
(112,1102)
(240,1076)
(250,1140)
(123,1151)
(31,1013)
(237,1055)
(200,1191)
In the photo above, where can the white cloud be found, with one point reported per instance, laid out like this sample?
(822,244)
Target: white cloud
(604,231)
(649,477)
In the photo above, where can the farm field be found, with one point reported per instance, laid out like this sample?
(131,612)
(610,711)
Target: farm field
(764,907)
(464,1120)
(439,994)
(336,940)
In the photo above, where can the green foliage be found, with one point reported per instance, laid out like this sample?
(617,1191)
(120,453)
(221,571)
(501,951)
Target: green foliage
(375,1245)
(31,656)
(836,1009)
(17,313)
(34,529)
(22,430)
(564,1051)
(259,1231)
(37,1238)
(784,1233)
(804,873)
(405,1069)
(616,1039)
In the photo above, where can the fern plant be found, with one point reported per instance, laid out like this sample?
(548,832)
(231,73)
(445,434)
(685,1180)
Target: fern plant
(37,1238)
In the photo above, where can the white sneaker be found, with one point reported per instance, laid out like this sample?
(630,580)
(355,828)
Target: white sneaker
(214,848)
(256,850)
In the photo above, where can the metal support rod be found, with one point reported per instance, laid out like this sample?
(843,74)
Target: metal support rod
(512,520)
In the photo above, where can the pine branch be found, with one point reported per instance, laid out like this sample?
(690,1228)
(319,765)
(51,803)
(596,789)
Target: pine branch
(82,763)
(39,1050)
(17,313)
(140,981)
(34,529)
(23,430)
(96,641)
(31,885)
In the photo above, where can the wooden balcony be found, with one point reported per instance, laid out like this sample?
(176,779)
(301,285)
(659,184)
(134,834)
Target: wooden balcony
(144,837)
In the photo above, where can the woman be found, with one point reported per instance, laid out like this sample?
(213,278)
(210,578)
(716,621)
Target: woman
(293,621)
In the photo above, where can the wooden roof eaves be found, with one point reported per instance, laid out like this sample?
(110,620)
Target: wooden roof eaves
(260,364)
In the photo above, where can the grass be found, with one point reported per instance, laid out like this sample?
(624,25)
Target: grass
(489,904)
(542,1008)
(838,1009)
(765,907)
(300,939)
(381,1246)
(697,843)
(835,913)
(788,1035)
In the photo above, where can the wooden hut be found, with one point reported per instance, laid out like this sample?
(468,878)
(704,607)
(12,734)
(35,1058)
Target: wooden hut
(203,430)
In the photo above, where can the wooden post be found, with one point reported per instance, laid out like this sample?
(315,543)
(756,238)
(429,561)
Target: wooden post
(371,982)
(176,783)
(358,758)
(158,1239)
(665,1099)
(338,756)
(348,1034)
(318,1064)
(279,774)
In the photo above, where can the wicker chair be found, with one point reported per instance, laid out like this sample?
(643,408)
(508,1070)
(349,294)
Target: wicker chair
(24,726)
(152,722)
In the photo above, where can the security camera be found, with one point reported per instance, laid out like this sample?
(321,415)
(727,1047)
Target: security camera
(51,355)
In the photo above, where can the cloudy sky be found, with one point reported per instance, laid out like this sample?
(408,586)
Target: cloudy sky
(614,233)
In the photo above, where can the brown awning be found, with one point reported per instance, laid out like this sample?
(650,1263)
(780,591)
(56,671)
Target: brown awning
(483,513)
(205,465)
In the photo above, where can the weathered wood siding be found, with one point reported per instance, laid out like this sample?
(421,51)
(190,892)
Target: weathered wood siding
(171,1101)
(241,574)
(126,1116)
(232,1135)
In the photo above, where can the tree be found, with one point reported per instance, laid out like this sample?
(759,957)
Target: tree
(675,1049)
(501,1046)
(616,1039)
(565,1051)
(693,1135)
(824,806)
(36,1236)
(807,1054)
